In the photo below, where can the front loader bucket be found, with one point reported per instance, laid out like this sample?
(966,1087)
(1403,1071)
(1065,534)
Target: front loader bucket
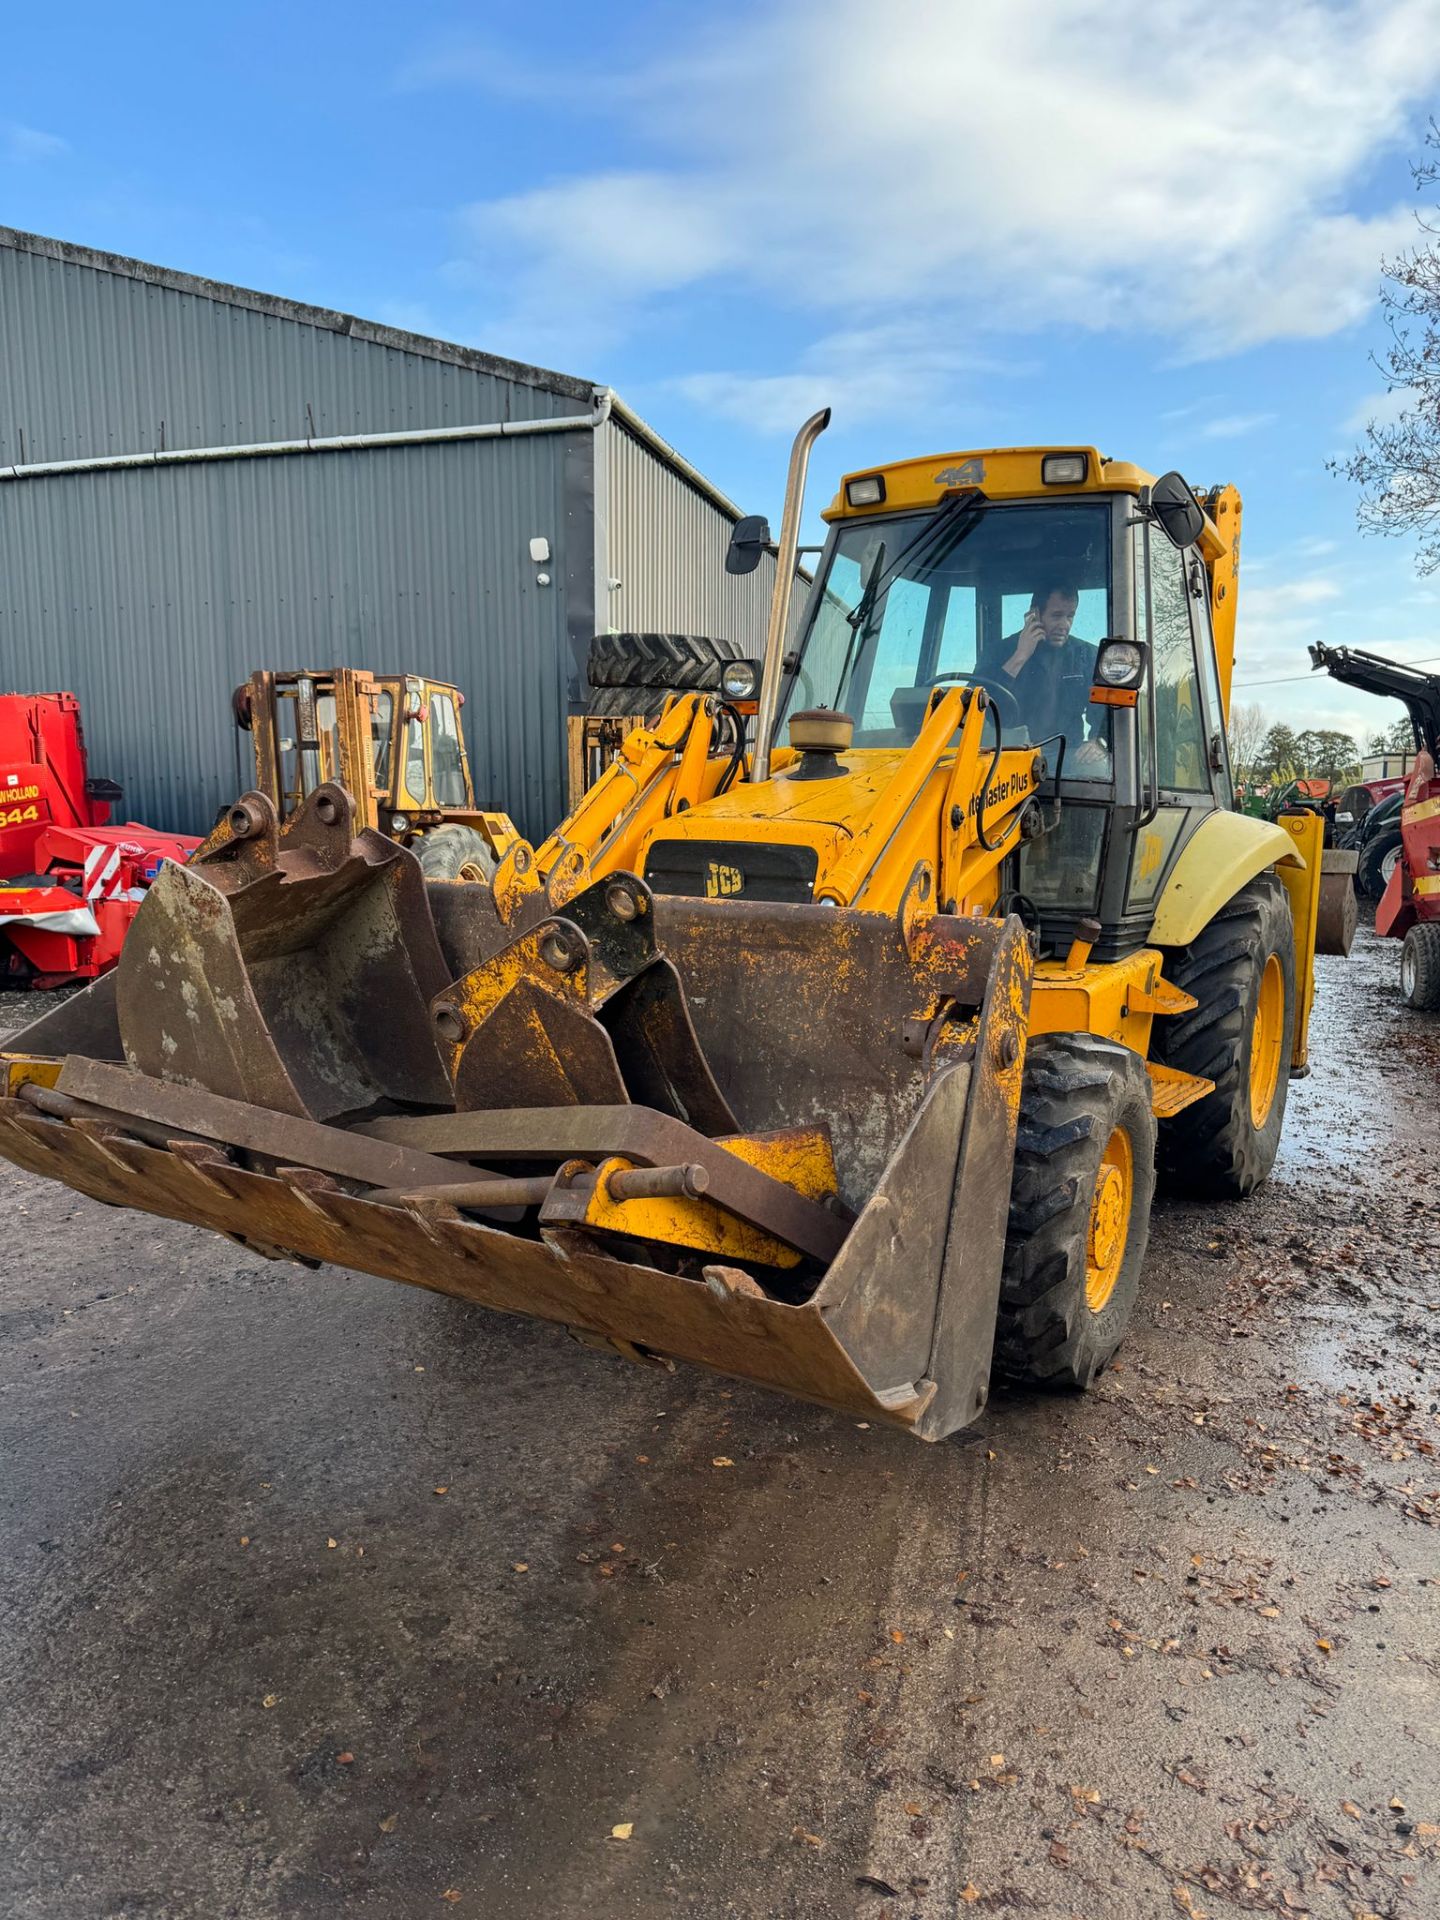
(785,1152)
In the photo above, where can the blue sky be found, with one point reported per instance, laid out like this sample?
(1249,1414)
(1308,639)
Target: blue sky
(1154,229)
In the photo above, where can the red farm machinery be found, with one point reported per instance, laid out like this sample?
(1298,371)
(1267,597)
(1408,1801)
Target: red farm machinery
(70,883)
(1409,908)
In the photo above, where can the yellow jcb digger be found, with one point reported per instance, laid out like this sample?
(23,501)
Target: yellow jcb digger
(838,1046)
(395,742)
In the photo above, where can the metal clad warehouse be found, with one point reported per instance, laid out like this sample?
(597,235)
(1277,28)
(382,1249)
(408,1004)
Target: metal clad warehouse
(197,480)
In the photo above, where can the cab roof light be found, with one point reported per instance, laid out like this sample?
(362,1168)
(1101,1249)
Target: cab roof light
(869,491)
(1064,469)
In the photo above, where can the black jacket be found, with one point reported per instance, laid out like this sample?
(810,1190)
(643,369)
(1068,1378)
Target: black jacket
(1052,688)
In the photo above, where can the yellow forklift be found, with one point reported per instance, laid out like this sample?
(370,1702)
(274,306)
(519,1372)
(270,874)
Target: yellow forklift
(395,742)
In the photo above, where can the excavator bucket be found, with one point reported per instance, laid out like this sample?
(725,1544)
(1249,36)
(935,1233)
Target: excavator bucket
(775,1140)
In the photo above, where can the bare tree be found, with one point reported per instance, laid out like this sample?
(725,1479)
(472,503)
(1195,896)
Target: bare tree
(1397,468)
(1247,731)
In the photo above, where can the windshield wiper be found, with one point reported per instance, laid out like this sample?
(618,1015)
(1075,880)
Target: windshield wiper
(956,518)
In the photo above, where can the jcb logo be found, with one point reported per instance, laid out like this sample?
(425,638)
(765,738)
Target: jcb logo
(721,881)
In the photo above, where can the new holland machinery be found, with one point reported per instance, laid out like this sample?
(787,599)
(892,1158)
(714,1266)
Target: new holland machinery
(838,1048)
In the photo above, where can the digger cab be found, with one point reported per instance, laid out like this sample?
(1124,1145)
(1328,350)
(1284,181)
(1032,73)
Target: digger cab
(929,575)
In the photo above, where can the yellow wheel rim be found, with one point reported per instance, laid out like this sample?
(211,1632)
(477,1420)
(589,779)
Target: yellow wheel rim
(1267,1037)
(1109,1220)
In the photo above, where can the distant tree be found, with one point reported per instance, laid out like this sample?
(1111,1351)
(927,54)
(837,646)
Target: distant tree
(1278,751)
(1398,737)
(1397,468)
(1323,753)
(1247,731)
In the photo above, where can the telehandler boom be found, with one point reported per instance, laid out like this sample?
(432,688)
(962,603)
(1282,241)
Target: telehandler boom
(846,1064)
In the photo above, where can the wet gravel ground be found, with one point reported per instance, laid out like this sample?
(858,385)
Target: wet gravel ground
(319,1596)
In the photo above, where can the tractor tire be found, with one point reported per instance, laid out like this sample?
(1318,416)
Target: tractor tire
(1420,967)
(455,852)
(1241,969)
(681,662)
(621,703)
(1378,859)
(1080,1197)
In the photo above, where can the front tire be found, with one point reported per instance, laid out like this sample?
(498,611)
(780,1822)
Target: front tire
(455,852)
(1241,969)
(1420,966)
(1080,1201)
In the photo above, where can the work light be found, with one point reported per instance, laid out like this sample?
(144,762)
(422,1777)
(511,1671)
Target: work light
(1064,469)
(739,680)
(869,492)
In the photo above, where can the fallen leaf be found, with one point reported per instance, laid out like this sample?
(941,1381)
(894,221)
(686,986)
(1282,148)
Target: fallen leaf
(445,1490)
(617,1546)
(997,1759)
(389,1823)
(722,1460)
(244,1539)
(332,1543)
(346,1759)
(642,1459)
(806,1839)
(896,1635)
(1349,1806)
(970,1892)
(452,1894)
(914,1809)
(623,1831)
(520,1566)
(1324,1646)
(271,1700)
(1059,1854)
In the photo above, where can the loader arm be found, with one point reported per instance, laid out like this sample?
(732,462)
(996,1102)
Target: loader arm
(1418,692)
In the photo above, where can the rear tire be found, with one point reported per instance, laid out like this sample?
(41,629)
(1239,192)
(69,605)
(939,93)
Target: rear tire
(1080,1201)
(1420,966)
(1378,859)
(1241,969)
(455,852)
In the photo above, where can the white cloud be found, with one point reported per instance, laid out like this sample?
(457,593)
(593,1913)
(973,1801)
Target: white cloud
(1380,409)
(1231,426)
(897,372)
(29,143)
(1006,165)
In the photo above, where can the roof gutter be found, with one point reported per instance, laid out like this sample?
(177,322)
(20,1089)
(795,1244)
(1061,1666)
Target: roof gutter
(605,402)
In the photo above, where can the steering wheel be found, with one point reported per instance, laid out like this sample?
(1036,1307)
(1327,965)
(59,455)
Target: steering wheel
(1002,695)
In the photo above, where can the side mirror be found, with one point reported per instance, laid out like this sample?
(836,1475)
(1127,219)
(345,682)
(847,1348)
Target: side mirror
(749,540)
(1178,511)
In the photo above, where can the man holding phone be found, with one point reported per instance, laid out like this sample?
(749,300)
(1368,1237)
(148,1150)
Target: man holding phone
(1051,672)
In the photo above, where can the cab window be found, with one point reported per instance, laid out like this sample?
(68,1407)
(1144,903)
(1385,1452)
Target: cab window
(447,765)
(1180,756)
(415,761)
(382,713)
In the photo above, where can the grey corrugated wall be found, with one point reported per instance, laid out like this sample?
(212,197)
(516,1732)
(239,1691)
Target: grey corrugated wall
(97,361)
(666,546)
(150,593)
